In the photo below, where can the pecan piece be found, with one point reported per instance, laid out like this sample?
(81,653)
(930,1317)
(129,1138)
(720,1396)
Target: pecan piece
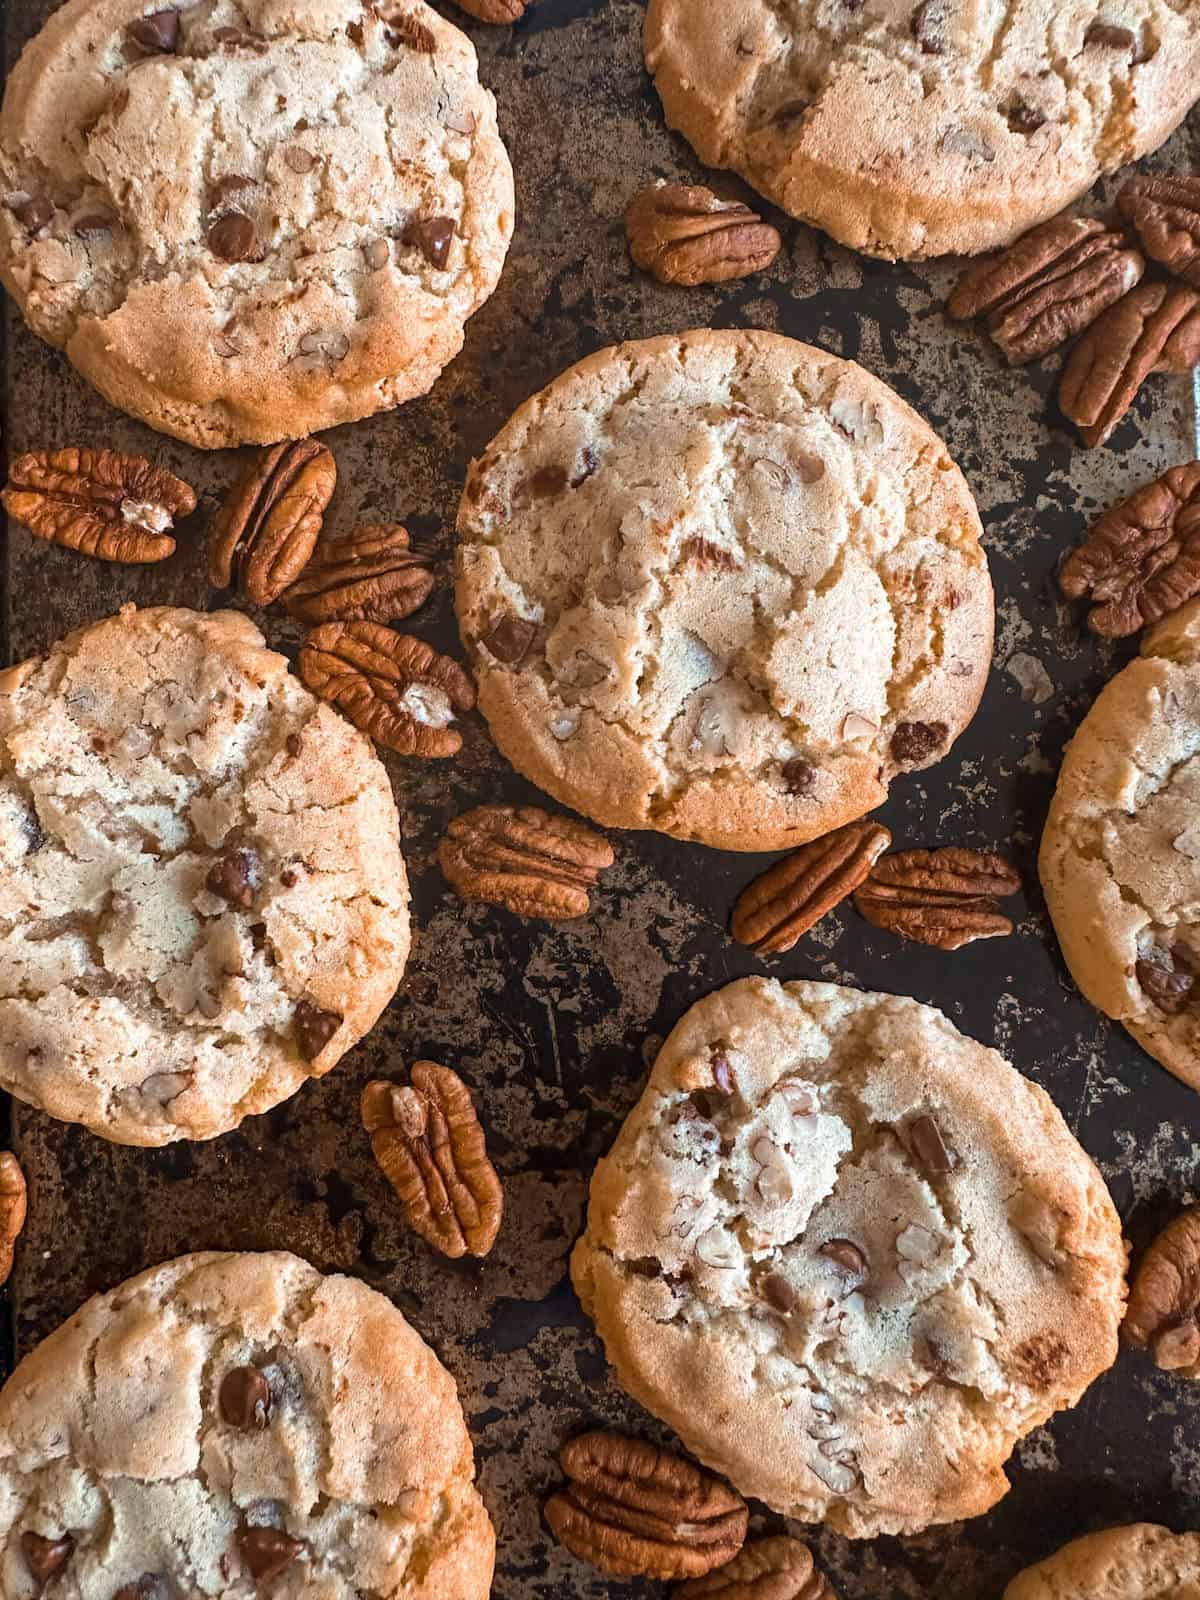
(790,897)
(947,897)
(1141,559)
(524,859)
(914,744)
(265,533)
(1169,987)
(1049,286)
(12,1210)
(1165,214)
(769,1569)
(683,233)
(99,502)
(498,11)
(389,684)
(429,1143)
(45,1557)
(634,1510)
(370,575)
(1154,328)
(1163,1315)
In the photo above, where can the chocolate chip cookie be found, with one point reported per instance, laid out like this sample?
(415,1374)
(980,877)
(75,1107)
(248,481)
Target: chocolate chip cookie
(849,1255)
(723,585)
(202,897)
(1120,856)
(244,221)
(909,129)
(1140,1561)
(233,1425)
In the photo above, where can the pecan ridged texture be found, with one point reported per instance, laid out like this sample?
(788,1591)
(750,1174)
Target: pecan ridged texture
(1164,211)
(524,859)
(777,1568)
(370,575)
(99,502)
(947,897)
(267,529)
(392,686)
(1050,285)
(1141,559)
(1163,1315)
(779,907)
(683,233)
(13,1200)
(634,1510)
(427,1139)
(1154,328)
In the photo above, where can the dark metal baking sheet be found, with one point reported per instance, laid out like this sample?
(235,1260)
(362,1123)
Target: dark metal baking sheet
(553,1027)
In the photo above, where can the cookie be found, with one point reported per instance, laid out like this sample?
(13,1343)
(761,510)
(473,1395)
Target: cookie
(724,585)
(1138,1562)
(849,1255)
(202,897)
(1120,855)
(911,130)
(234,1424)
(247,221)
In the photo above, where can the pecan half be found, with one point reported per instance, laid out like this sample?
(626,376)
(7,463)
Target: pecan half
(390,685)
(947,897)
(429,1143)
(1049,286)
(634,1510)
(370,575)
(497,11)
(525,860)
(266,531)
(683,233)
(1141,559)
(1165,212)
(1163,1315)
(769,1569)
(790,897)
(99,502)
(12,1210)
(1154,328)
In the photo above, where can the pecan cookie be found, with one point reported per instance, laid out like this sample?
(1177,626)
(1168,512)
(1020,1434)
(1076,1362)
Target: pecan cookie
(1139,1561)
(723,585)
(849,1255)
(910,129)
(1120,857)
(245,222)
(202,898)
(237,1425)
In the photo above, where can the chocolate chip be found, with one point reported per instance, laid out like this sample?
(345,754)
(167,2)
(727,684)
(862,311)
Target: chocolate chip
(431,236)
(148,1587)
(510,637)
(245,1398)
(847,1256)
(645,1267)
(354,32)
(927,1145)
(233,237)
(1022,117)
(234,878)
(33,213)
(790,111)
(1111,37)
(547,482)
(157,34)
(314,1028)
(299,159)
(780,1292)
(31,827)
(288,878)
(914,742)
(1169,990)
(267,1551)
(293,744)
(46,1557)
(799,777)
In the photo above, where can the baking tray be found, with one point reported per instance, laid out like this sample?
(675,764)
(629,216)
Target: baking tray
(553,1027)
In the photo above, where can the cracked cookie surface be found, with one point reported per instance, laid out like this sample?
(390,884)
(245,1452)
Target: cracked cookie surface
(1139,1561)
(723,585)
(202,897)
(849,1255)
(911,130)
(241,238)
(216,1411)
(1120,855)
